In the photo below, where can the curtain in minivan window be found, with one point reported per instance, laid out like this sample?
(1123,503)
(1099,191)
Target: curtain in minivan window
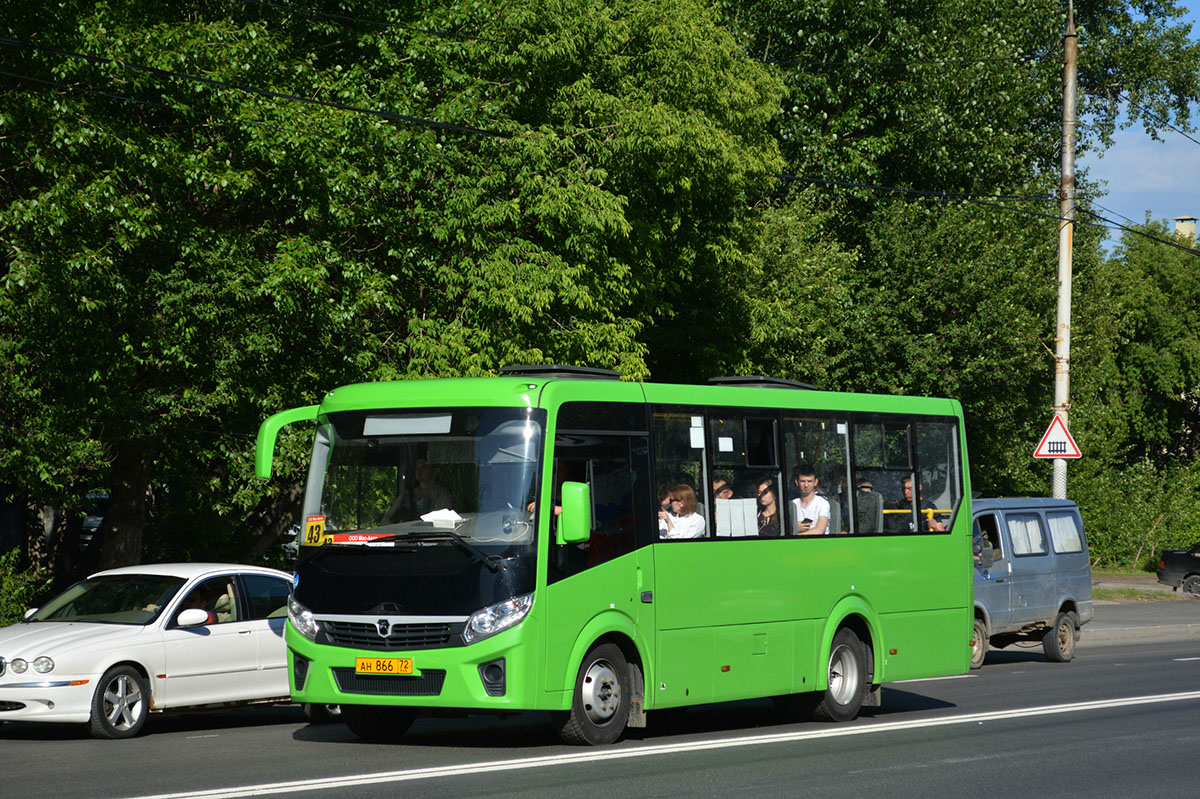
(1026,534)
(1064,533)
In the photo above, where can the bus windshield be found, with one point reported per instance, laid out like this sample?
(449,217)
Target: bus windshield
(466,474)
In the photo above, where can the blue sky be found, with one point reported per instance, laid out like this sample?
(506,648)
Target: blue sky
(1161,177)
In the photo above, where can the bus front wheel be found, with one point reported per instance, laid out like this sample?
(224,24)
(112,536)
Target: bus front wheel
(600,702)
(847,672)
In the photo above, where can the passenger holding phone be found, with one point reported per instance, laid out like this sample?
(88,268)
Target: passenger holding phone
(812,509)
(678,515)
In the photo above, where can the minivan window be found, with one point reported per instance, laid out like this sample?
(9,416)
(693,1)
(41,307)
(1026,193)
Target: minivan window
(1064,532)
(987,533)
(1025,530)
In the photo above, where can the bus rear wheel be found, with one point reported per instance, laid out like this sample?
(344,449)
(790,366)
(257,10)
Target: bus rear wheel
(600,701)
(378,723)
(847,672)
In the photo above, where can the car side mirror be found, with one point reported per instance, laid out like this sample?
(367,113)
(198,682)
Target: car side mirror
(575,521)
(30,612)
(987,557)
(192,617)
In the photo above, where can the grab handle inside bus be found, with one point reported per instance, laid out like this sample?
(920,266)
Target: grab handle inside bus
(268,431)
(575,521)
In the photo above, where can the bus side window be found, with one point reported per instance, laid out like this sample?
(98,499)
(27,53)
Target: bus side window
(678,436)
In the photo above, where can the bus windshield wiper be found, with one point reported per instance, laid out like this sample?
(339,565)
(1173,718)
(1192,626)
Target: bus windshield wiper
(447,535)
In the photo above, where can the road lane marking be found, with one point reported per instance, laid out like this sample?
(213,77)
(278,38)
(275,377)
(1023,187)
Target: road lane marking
(1185,660)
(592,756)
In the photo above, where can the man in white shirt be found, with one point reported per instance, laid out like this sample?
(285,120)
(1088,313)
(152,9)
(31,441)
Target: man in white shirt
(812,509)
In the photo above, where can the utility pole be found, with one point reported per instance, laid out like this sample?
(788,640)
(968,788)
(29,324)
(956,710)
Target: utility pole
(1066,230)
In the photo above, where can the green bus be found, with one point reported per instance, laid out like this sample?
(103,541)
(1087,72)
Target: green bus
(559,539)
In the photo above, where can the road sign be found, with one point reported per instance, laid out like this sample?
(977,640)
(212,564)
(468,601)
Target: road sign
(1057,442)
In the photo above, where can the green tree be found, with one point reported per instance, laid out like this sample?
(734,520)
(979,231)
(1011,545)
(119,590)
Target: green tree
(540,181)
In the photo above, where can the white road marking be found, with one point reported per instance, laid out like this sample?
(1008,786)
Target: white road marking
(592,756)
(1185,660)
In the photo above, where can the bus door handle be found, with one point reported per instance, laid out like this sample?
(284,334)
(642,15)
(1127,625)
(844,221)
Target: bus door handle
(647,597)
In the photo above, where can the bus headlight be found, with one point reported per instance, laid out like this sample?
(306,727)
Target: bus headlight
(302,619)
(497,617)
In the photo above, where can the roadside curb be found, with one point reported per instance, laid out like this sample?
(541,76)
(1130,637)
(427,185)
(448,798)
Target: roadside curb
(1090,634)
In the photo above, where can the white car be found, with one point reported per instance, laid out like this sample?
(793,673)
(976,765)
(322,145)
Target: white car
(127,642)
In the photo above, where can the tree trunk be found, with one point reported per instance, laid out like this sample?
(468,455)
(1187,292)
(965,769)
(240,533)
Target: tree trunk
(124,523)
(272,516)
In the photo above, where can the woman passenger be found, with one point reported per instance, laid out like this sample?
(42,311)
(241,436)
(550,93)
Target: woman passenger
(768,510)
(679,518)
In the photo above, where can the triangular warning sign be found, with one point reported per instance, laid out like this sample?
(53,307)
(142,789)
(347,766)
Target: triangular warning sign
(1057,442)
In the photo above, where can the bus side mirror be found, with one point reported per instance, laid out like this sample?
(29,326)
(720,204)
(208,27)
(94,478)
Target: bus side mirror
(575,521)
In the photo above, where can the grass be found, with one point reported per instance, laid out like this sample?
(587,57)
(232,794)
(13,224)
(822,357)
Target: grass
(1136,595)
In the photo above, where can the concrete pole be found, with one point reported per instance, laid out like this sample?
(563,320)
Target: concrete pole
(1066,229)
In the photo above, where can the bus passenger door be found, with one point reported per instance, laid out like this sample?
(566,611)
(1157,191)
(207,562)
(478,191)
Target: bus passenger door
(607,580)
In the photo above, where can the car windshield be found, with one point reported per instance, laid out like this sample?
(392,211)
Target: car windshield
(112,599)
(424,475)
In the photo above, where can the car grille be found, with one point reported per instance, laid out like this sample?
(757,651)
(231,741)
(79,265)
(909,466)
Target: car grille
(429,683)
(10,706)
(402,636)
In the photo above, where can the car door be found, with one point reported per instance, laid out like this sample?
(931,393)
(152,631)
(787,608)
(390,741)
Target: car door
(266,600)
(216,661)
(992,584)
(1032,568)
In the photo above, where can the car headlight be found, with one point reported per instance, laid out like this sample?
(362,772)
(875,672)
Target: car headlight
(43,665)
(18,665)
(497,617)
(302,619)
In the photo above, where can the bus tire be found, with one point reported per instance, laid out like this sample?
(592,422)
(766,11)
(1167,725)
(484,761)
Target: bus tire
(847,671)
(317,713)
(1059,641)
(600,701)
(980,647)
(378,722)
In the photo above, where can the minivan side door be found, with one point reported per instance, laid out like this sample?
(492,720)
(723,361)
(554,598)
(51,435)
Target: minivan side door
(1033,592)
(992,583)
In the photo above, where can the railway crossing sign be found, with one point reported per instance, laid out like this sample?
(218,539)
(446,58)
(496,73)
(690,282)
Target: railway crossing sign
(1057,442)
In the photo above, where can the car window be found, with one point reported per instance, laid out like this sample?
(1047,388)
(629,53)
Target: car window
(987,531)
(266,596)
(1064,532)
(1025,530)
(217,595)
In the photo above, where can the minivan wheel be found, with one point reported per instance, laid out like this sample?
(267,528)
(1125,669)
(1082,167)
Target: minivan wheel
(980,647)
(1059,641)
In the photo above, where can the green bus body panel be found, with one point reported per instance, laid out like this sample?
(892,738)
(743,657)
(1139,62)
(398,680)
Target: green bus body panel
(725,619)
(268,432)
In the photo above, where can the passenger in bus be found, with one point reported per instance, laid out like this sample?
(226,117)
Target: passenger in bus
(768,509)
(721,488)
(812,509)
(421,498)
(679,516)
(902,522)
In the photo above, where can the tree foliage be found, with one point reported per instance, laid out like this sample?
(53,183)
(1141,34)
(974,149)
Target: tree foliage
(211,211)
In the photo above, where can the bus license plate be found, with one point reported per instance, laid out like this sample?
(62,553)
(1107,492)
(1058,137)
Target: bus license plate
(383,666)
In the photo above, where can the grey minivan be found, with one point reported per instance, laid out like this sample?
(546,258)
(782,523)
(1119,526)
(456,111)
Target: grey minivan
(1033,581)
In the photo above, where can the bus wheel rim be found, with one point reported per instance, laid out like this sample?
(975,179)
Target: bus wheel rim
(601,692)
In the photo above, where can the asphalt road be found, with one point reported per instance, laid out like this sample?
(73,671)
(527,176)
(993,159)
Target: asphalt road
(1122,720)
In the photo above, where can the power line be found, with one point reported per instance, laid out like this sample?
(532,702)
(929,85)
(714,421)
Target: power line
(215,116)
(429,123)
(1159,121)
(372,22)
